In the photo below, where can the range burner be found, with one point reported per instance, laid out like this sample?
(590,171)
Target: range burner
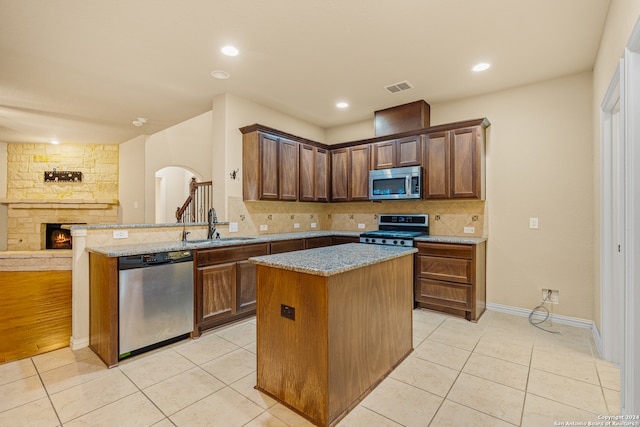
(397,230)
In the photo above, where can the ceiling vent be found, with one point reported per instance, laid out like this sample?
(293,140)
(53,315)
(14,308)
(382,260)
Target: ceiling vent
(399,87)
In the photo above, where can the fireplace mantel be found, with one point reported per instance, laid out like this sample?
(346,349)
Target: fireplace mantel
(59,203)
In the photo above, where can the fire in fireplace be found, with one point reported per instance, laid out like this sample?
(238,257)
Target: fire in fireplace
(56,237)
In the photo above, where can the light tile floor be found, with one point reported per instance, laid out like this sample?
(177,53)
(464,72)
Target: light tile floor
(500,371)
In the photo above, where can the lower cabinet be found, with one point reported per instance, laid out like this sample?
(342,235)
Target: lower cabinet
(225,284)
(451,278)
(317,242)
(339,240)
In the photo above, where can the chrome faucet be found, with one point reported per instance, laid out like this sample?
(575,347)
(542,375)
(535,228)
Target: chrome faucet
(213,221)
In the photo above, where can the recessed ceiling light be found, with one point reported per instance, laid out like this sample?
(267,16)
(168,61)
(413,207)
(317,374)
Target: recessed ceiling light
(481,67)
(139,121)
(342,105)
(230,51)
(219,74)
(54,142)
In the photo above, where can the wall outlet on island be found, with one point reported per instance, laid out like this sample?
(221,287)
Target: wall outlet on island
(233,227)
(264,227)
(120,234)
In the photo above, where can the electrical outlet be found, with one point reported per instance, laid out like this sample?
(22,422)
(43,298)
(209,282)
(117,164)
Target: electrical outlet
(533,223)
(313,225)
(264,227)
(554,298)
(120,234)
(233,227)
(296,225)
(469,230)
(361,226)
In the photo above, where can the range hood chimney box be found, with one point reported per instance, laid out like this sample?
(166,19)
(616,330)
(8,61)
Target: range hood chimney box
(403,118)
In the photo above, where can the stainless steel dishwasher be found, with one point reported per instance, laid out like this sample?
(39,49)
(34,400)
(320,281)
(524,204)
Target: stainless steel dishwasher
(155,300)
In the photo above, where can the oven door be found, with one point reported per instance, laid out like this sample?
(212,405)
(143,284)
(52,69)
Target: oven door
(398,183)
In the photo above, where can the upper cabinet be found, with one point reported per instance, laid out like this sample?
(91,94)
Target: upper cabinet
(281,166)
(314,174)
(397,153)
(454,164)
(350,173)
(269,167)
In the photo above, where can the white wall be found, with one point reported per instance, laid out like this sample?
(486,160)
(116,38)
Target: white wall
(176,190)
(188,145)
(131,181)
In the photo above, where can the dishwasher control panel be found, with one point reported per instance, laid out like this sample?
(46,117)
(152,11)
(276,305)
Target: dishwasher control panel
(145,260)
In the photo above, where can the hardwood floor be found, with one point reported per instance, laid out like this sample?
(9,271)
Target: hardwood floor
(35,312)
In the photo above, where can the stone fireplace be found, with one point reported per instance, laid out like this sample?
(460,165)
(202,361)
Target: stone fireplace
(27,220)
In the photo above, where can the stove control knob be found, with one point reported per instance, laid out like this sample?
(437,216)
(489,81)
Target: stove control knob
(384,241)
(366,240)
(402,242)
(373,240)
(395,242)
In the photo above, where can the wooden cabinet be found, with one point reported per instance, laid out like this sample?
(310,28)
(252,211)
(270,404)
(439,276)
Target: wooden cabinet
(103,307)
(350,173)
(317,242)
(314,174)
(339,240)
(269,167)
(282,246)
(454,164)
(225,285)
(397,153)
(451,278)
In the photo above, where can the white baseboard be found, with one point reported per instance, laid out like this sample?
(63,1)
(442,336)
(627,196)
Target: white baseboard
(558,318)
(77,344)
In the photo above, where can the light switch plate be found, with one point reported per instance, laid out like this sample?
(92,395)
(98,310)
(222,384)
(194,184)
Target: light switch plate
(361,226)
(533,223)
(469,230)
(120,234)
(233,227)
(264,227)
(313,225)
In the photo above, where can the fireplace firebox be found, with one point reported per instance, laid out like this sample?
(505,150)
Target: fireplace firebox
(57,237)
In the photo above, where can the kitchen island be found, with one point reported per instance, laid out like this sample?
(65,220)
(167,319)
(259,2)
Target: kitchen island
(332,323)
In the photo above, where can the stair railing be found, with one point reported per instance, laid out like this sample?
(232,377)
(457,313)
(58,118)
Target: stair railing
(198,203)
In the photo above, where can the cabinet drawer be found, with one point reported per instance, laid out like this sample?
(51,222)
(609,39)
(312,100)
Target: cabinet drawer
(450,250)
(287,246)
(230,254)
(448,269)
(445,294)
(317,242)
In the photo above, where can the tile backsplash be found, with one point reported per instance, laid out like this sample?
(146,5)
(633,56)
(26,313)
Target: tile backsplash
(446,218)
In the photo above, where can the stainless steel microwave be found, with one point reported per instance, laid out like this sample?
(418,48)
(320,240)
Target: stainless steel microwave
(395,183)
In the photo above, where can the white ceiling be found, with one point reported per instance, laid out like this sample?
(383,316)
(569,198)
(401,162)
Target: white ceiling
(82,70)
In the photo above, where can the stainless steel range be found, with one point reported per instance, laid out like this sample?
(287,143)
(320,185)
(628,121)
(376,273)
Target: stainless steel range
(397,230)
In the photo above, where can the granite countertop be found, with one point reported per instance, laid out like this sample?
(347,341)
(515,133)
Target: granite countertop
(145,248)
(451,239)
(332,260)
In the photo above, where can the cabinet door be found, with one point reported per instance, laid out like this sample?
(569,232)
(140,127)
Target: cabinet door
(307,173)
(268,167)
(322,175)
(384,155)
(218,284)
(288,170)
(246,286)
(465,164)
(340,175)
(340,240)
(436,166)
(409,151)
(287,246)
(317,242)
(359,176)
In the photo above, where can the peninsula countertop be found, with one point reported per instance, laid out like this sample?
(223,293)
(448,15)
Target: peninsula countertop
(331,260)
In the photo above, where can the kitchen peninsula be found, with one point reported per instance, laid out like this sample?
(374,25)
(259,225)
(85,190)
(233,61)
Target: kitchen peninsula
(332,323)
